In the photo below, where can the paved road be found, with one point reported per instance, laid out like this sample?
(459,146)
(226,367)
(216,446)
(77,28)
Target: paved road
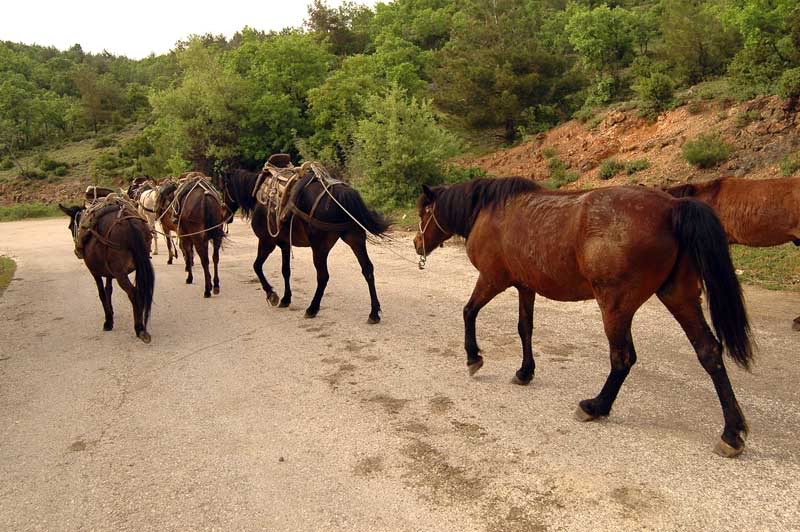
(244,417)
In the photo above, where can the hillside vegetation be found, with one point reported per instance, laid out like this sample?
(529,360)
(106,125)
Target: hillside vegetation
(388,96)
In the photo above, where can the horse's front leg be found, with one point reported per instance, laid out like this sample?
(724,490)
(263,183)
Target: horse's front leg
(483,292)
(152,224)
(186,247)
(265,247)
(286,270)
(525,328)
(320,252)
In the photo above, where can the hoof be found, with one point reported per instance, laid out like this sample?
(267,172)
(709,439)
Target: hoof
(309,314)
(216,290)
(283,304)
(144,336)
(169,261)
(272,298)
(155,253)
(206,294)
(521,382)
(373,321)
(582,415)
(108,327)
(188,280)
(796,324)
(725,450)
(474,367)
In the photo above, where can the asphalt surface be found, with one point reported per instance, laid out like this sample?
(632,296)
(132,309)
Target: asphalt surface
(239,416)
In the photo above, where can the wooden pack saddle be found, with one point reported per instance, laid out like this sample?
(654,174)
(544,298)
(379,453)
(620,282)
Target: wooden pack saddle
(277,189)
(96,209)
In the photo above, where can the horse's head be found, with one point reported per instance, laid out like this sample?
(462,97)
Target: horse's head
(228,198)
(166,193)
(73,213)
(431,234)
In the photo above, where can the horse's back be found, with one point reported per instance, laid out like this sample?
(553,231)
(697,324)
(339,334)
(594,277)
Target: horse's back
(759,212)
(562,245)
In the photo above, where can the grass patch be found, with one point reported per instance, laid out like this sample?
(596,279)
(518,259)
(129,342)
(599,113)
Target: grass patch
(773,268)
(7,267)
(790,164)
(560,174)
(404,218)
(637,165)
(609,168)
(22,211)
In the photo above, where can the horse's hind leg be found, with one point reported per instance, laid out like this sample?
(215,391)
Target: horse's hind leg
(286,271)
(483,292)
(215,258)
(105,299)
(138,310)
(265,247)
(617,322)
(358,243)
(202,251)
(525,329)
(682,298)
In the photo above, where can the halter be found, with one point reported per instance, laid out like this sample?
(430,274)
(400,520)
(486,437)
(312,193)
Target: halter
(424,257)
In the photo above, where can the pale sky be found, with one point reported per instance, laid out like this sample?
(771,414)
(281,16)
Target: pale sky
(136,28)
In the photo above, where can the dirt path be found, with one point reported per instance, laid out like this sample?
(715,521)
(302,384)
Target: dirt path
(244,417)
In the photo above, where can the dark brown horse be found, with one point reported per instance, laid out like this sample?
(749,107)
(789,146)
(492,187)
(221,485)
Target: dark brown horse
(238,191)
(164,210)
(754,212)
(116,247)
(200,219)
(617,245)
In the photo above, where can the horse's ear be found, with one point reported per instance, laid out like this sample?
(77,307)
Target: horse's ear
(430,194)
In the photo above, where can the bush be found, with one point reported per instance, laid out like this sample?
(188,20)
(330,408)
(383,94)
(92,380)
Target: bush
(631,167)
(655,92)
(745,118)
(560,175)
(694,107)
(6,163)
(609,168)
(549,152)
(789,83)
(33,173)
(790,164)
(706,150)
(105,141)
(106,165)
(459,174)
(398,148)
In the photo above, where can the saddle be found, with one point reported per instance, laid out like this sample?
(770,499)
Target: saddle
(96,209)
(187,183)
(93,193)
(280,183)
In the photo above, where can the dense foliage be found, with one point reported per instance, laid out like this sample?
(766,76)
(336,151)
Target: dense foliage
(380,94)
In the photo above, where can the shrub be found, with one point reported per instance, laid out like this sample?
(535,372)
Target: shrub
(549,152)
(105,141)
(790,164)
(6,163)
(655,92)
(631,167)
(459,174)
(398,147)
(745,118)
(560,175)
(789,83)
(33,173)
(609,168)
(106,165)
(706,150)
(694,107)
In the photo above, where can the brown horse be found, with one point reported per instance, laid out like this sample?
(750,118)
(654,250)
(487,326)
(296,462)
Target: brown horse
(617,245)
(116,247)
(754,212)
(200,219)
(332,224)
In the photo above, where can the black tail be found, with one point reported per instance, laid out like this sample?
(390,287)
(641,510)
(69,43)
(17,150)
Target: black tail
(352,202)
(700,234)
(213,216)
(145,276)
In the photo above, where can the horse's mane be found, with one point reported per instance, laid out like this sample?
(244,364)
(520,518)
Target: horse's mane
(240,185)
(459,205)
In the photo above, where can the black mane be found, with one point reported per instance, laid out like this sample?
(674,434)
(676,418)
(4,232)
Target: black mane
(458,206)
(239,183)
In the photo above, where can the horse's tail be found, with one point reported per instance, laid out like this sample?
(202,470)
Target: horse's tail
(145,276)
(352,202)
(211,224)
(701,236)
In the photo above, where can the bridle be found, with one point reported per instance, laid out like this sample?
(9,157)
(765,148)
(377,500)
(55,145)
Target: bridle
(431,209)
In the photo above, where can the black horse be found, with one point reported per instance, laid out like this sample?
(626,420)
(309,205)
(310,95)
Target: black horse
(328,225)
